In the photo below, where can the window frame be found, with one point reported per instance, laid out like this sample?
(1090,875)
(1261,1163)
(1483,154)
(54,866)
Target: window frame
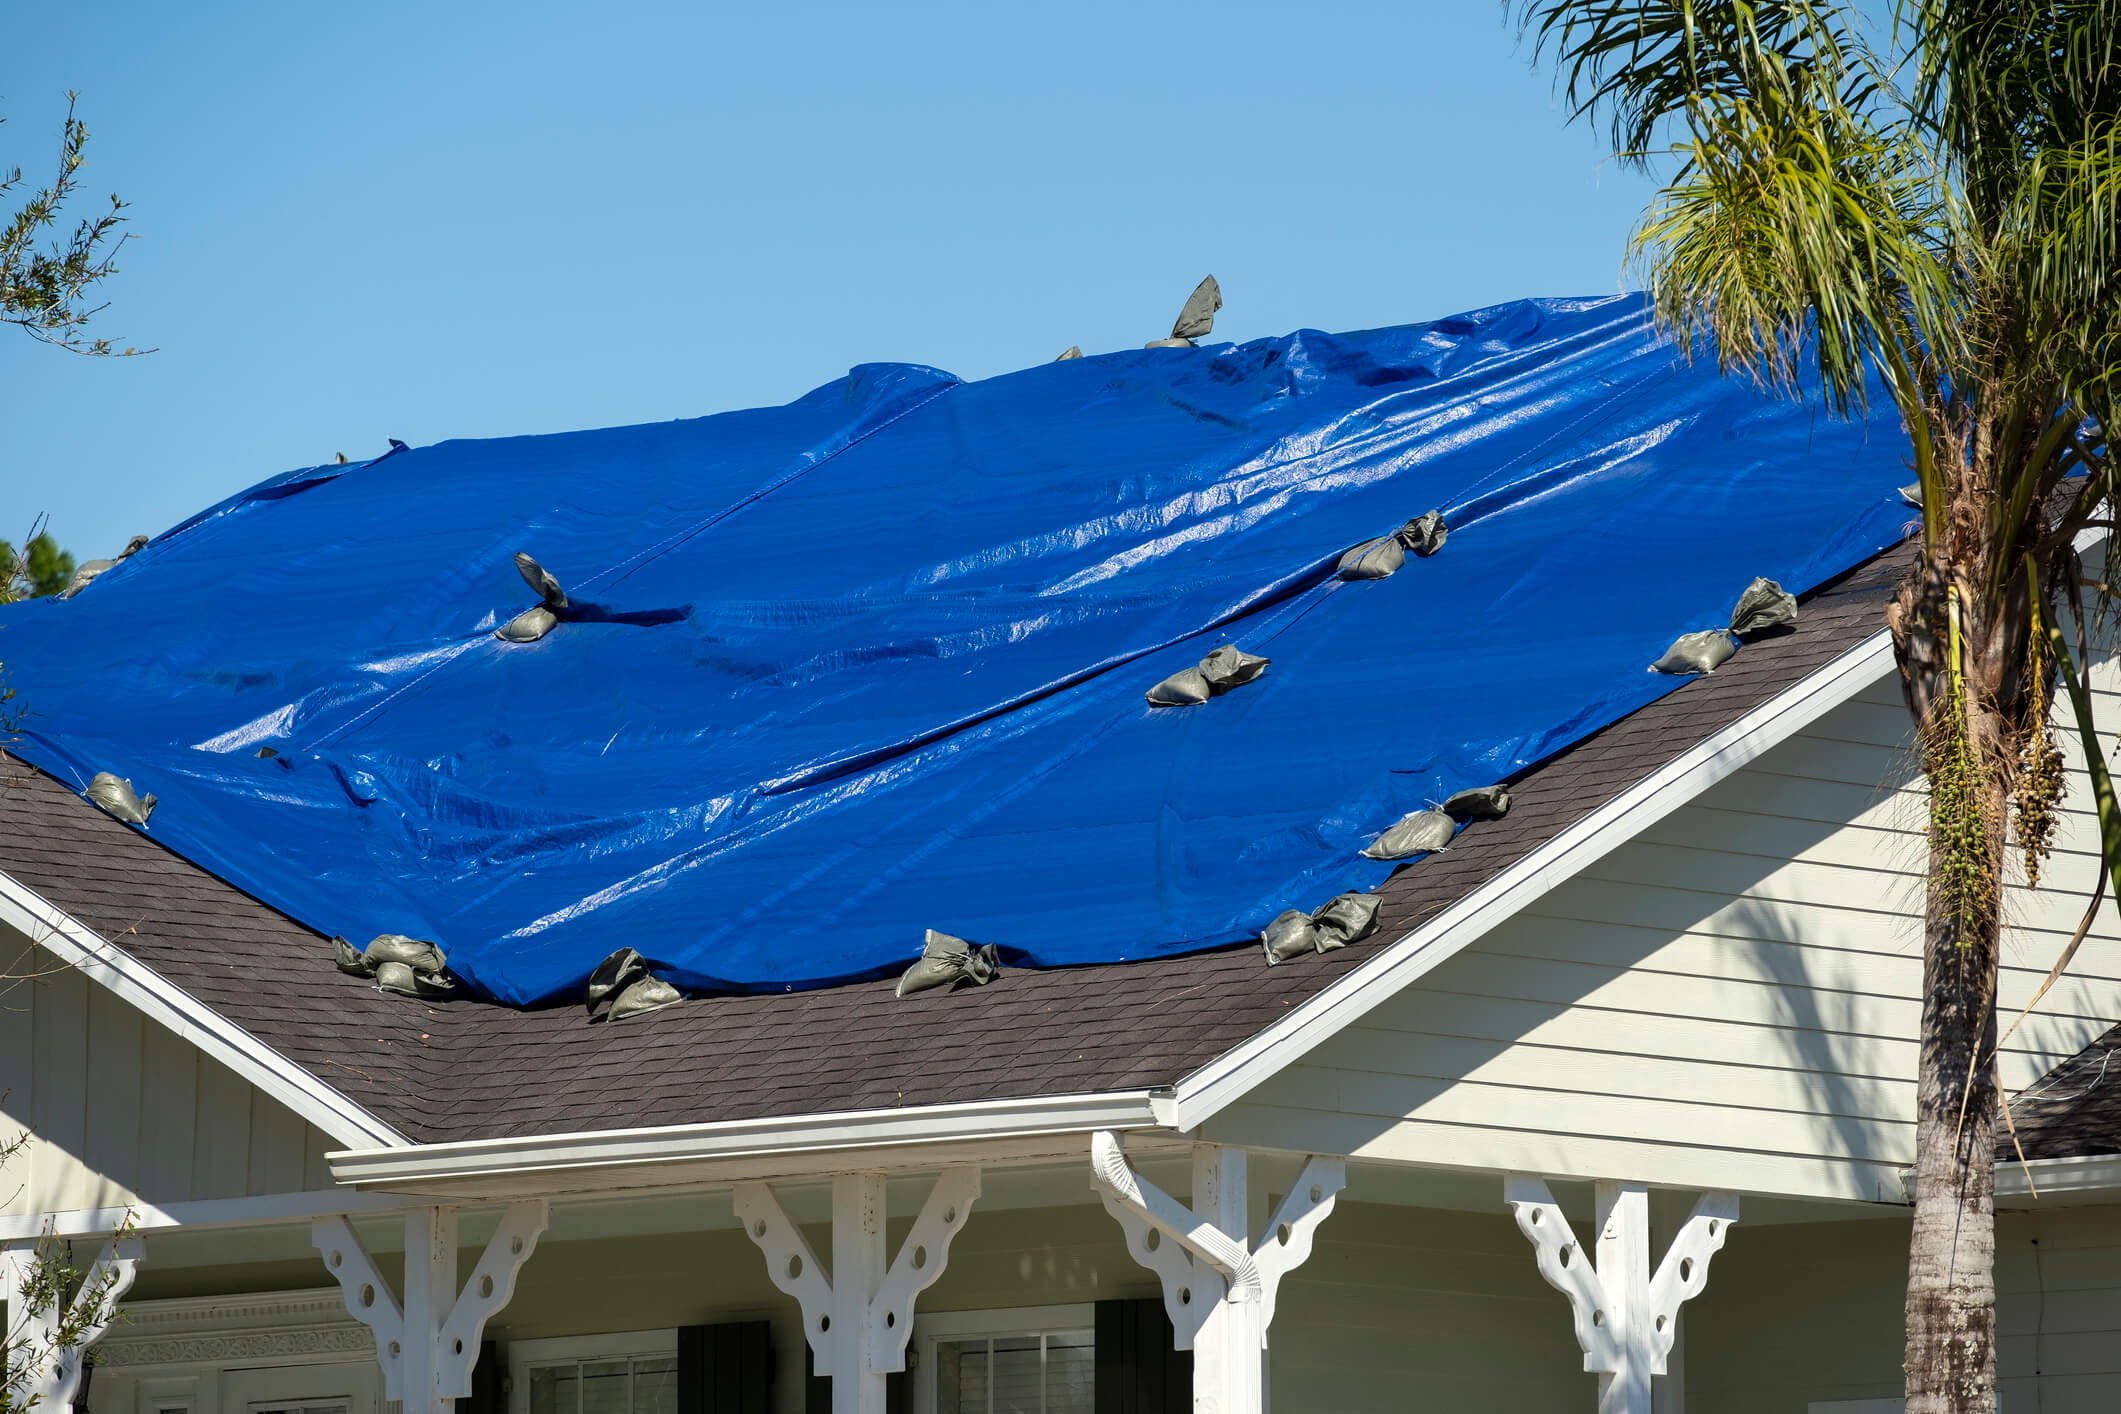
(523,1355)
(932,1330)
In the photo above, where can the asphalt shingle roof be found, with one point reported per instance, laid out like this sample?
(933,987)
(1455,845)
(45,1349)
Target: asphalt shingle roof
(444,1072)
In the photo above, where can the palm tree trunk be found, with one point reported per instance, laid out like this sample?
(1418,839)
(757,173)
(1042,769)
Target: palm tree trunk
(1951,1285)
(1969,749)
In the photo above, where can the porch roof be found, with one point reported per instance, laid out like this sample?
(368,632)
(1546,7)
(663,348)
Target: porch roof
(2074,1111)
(467,1070)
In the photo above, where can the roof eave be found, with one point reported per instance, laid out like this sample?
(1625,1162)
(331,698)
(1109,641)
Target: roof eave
(922,1137)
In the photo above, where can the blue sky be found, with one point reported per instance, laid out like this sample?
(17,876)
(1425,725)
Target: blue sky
(461,220)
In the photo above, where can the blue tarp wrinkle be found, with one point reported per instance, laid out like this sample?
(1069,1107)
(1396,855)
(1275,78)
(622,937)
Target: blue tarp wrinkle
(838,673)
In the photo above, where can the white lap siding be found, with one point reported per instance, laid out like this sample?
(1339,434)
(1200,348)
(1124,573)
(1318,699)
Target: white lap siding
(118,1109)
(1729,1000)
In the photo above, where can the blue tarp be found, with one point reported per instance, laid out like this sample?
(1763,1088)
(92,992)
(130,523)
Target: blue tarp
(874,662)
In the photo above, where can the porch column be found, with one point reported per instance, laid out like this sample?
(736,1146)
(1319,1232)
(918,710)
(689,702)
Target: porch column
(37,1316)
(1626,1316)
(428,1342)
(858,1315)
(1219,1284)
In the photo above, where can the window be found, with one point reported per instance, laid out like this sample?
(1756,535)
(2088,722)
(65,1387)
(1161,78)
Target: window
(1036,1360)
(633,1373)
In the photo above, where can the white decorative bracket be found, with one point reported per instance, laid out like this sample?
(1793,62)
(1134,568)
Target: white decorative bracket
(858,1315)
(428,1343)
(1626,1318)
(1219,1284)
(55,1368)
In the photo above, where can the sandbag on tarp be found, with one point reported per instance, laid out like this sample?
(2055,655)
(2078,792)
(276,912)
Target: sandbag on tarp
(872,662)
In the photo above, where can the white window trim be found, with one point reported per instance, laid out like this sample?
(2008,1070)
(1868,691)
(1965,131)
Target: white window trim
(153,1394)
(928,1330)
(522,1354)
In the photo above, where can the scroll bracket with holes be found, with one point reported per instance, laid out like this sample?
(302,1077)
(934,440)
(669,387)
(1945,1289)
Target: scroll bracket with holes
(53,1376)
(428,1340)
(858,1315)
(1219,1284)
(1626,1316)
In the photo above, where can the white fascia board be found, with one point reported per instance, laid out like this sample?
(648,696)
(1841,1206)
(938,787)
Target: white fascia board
(155,996)
(2092,1174)
(206,1213)
(1207,1091)
(814,1141)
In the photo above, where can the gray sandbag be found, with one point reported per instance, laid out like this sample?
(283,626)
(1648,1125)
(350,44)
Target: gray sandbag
(408,981)
(1347,918)
(1291,935)
(1479,803)
(612,975)
(643,995)
(1197,319)
(85,575)
(1764,605)
(528,626)
(1216,674)
(1072,351)
(1229,667)
(418,954)
(1702,652)
(1424,535)
(946,960)
(1423,832)
(114,796)
(1170,344)
(1373,559)
(1182,689)
(1912,494)
(541,581)
(349,959)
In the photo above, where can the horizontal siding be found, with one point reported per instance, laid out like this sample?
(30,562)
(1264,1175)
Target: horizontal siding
(118,1109)
(1733,995)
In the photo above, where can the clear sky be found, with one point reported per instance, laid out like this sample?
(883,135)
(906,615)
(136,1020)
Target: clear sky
(448,219)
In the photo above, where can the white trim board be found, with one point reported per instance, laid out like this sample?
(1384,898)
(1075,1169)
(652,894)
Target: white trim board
(1220,1083)
(1019,1130)
(78,946)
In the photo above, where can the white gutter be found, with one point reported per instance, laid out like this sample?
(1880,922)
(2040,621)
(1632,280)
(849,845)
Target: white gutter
(2055,1178)
(156,997)
(1207,1091)
(987,1122)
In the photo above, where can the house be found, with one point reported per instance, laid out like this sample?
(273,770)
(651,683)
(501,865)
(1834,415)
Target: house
(1613,1110)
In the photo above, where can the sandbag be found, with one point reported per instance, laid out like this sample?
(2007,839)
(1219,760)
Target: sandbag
(1196,320)
(1423,832)
(421,956)
(946,960)
(1479,803)
(1072,351)
(115,797)
(1702,652)
(541,581)
(1170,344)
(528,626)
(1347,918)
(1424,535)
(1292,934)
(1229,667)
(612,975)
(1764,605)
(643,995)
(1373,559)
(1225,668)
(624,979)
(350,960)
(1182,689)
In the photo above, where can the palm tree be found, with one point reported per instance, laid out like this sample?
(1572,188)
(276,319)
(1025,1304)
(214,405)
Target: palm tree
(1927,210)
